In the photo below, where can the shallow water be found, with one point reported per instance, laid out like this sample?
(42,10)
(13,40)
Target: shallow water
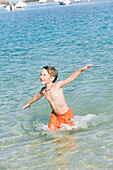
(67,37)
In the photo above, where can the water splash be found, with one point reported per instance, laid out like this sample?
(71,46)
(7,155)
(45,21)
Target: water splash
(36,128)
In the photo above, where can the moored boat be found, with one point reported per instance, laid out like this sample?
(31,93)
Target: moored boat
(42,1)
(10,7)
(65,2)
(77,0)
(21,4)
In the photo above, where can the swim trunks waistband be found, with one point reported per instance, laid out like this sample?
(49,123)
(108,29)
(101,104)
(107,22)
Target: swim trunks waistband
(58,115)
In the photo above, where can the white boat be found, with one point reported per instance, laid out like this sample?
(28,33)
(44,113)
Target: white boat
(77,0)
(21,4)
(42,1)
(65,2)
(2,6)
(10,7)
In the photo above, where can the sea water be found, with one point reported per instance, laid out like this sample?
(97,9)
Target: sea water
(67,37)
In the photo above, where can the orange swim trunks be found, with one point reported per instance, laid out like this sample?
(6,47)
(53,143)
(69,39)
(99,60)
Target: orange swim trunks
(57,120)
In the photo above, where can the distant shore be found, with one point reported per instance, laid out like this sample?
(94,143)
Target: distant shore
(7,2)
(34,0)
(4,2)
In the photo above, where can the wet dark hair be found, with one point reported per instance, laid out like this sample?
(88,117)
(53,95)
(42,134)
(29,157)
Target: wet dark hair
(52,72)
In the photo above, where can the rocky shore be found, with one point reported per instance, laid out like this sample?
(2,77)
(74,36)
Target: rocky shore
(4,2)
(31,0)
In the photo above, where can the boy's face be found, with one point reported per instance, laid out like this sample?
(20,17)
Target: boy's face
(45,77)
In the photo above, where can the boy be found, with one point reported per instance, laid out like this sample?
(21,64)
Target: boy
(61,113)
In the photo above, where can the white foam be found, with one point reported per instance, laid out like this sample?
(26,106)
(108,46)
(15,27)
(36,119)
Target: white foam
(81,123)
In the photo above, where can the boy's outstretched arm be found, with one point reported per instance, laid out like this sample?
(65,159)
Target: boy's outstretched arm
(74,75)
(34,99)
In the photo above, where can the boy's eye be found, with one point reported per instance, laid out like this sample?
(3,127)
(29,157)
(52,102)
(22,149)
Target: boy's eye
(42,74)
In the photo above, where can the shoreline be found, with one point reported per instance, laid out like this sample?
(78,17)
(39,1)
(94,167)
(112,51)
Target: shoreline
(26,1)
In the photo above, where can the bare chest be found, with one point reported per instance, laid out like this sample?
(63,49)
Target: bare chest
(51,95)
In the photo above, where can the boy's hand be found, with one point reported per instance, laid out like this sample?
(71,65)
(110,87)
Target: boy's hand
(86,67)
(27,105)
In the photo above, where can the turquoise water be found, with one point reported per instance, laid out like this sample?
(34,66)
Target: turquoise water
(67,37)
